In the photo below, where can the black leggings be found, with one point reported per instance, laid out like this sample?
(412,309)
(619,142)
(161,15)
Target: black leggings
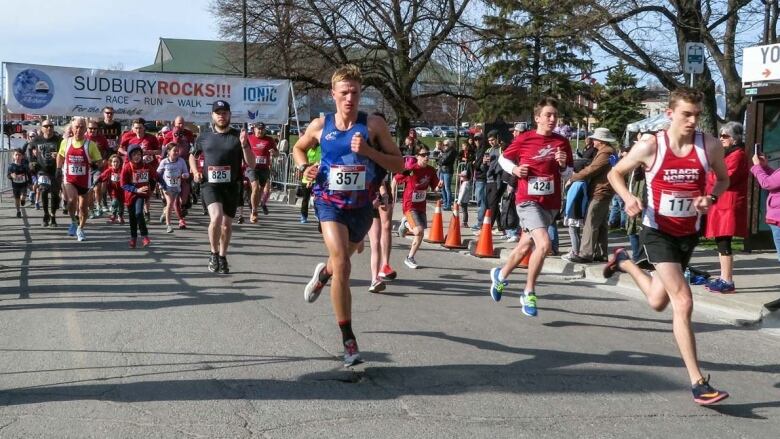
(305,196)
(137,220)
(724,245)
(52,191)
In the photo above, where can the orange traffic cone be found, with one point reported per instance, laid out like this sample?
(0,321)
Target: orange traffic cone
(484,248)
(436,234)
(453,235)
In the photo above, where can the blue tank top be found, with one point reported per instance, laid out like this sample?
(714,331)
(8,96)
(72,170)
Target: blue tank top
(345,179)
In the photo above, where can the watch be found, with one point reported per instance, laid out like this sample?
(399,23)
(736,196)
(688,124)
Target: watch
(302,167)
(713,198)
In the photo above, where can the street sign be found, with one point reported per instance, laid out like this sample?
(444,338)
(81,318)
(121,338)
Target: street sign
(761,63)
(694,58)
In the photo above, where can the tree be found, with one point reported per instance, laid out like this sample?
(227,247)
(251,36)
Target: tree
(650,36)
(620,101)
(534,53)
(304,40)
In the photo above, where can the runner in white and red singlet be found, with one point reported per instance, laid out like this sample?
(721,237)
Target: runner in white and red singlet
(541,160)
(264,147)
(676,162)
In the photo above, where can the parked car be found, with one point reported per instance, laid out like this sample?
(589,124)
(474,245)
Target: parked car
(583,133)
(423,132)
(463,132)
(448,131)
(273,129)
(437,130)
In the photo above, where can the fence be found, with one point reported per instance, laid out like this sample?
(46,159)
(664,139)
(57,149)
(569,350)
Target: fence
(5,183)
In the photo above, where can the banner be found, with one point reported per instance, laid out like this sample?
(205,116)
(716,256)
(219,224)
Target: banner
(66,91)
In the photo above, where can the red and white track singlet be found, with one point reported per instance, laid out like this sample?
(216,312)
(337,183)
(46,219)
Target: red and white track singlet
(673,183)
(77,164)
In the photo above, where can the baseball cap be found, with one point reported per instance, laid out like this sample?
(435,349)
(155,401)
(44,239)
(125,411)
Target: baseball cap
(220,105)
(493,134)
(132,148)
(260,125)
(519,127)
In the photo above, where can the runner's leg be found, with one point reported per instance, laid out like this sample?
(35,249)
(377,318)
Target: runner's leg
(386,220)
(651,287)
(227,233)
(216,217)
(518,253)
(375,241)
(542,245)
(336,237)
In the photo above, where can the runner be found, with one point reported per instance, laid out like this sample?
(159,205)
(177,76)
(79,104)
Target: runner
(178,127)
(76,158)
(264,147)
(111,177)
(110,129)
(541,160)
(19,174)
(45,148)
(184,146)
(417,179)
(222,151)
(355,149)
(150,147)
(676,162)
(173,171)
(135,179)
(96,198)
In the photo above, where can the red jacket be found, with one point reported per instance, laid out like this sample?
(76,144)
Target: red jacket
(728,217)
(136,176)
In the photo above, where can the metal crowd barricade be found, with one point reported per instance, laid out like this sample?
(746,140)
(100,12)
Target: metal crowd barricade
(283,172)
(5,159)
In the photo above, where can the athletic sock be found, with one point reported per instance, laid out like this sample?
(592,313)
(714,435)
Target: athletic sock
(346,331)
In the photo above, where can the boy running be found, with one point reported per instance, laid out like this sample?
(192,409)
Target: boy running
(135,178)
(356,151)
(19,174)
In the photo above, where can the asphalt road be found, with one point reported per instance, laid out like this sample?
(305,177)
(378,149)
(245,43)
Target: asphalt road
(97,340)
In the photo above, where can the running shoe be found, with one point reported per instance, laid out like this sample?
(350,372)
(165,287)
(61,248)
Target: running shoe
(72,229)
(18,213)
(613,266)
(351,353)
(112,219)
(402,228)
(496,286)
(213,263)
(162,219)
(145,241)
(513,238)
(80,234)
(528,300)
(704,394)
(37,206)
(121,220)
(265,209)
(182,224)
(720,286)
(387,274)
(240,219)
(46,219)
(377,286)
(223,265)
(131,243)
(53,222)
(475,228)
(304,219)
(169,229)
(316,284)
(148,217)
(411,263)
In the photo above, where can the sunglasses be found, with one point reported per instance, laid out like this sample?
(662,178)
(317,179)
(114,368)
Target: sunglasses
(108,112)
(46,126)
(178,135)
(423,154)
(725,136)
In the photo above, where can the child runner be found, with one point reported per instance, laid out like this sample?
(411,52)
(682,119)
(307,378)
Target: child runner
(173,171)
(110,177)
(418,179)
(135,178)
(19,174)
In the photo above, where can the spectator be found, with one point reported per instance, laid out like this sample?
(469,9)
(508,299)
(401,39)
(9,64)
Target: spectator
(446,165)
(481,161)
(727,217)
(493,185)
(769,179)
(593,246)
(465,171)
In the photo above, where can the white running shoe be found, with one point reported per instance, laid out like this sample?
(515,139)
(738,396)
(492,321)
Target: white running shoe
(411,263)
(315,286)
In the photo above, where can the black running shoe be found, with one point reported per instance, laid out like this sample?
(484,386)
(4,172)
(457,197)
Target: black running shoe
(53,222)
(213,263)
(46,220)
(223,265)
(265,209)
(704,394)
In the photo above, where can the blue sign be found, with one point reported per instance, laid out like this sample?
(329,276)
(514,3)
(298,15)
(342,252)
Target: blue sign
(33,88)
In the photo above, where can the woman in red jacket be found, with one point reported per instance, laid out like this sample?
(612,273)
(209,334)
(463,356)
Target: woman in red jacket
(728,215)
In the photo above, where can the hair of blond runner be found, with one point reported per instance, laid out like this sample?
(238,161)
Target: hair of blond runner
(78,119)
(348,72)
(687,94)
(543,102)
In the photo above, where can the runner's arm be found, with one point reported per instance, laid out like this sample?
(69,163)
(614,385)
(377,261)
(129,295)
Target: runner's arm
(640,154)
(306,142)
(246,148)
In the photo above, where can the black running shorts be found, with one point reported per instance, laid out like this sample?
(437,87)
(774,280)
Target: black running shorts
(260,175)
(225,193)
(662,247)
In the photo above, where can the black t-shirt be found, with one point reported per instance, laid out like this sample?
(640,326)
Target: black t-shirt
(45,149)
(110,131)
(19,169)
(220,150)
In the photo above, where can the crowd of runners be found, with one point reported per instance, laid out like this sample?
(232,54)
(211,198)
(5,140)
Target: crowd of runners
(351,166)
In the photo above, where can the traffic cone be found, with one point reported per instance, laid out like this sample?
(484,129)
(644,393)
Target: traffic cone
(436,234)
(484,248)
(453,235)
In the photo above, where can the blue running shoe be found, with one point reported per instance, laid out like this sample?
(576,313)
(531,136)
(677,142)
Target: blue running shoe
(496,286)
(528,300)
(721,286)
(72,229)
(705,394)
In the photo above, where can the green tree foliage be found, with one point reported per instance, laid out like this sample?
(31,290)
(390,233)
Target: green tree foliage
(620,101)
(533,52)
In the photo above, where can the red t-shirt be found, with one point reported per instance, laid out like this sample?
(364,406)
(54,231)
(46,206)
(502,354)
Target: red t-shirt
(169,136)
(102,144)
(417,185)
(543,183)
(148,143)
(261,147)
(139,176)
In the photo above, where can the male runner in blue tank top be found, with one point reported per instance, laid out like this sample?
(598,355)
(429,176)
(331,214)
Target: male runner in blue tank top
(357,151)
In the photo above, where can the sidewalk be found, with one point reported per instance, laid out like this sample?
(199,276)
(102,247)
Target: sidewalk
(756,274)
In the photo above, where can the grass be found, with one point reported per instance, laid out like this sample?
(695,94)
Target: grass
(737,244)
